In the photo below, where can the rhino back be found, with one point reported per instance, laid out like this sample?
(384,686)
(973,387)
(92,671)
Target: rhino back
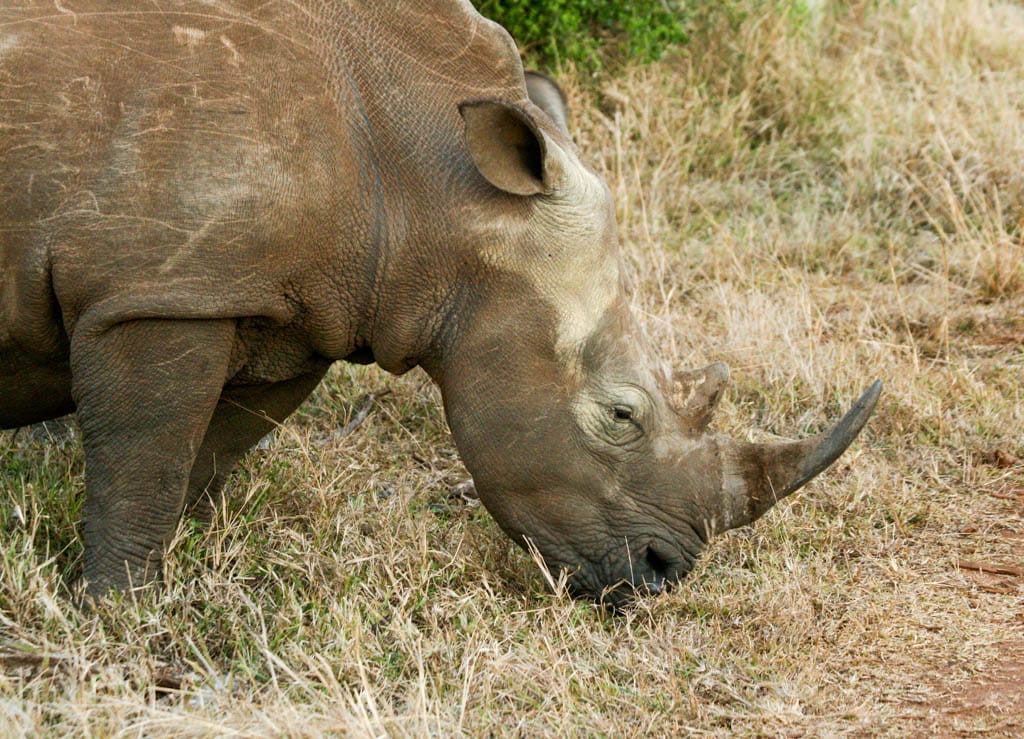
(217,159)
(150,159)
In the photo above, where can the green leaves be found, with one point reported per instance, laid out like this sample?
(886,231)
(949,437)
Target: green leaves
(590,33)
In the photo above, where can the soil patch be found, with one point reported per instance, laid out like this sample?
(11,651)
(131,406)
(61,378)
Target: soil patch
(992,703)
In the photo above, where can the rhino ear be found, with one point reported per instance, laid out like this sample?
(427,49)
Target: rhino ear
(546,94)
(507,147)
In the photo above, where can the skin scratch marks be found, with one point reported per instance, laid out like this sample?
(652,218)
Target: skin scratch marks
(188,36)
(236,58)
(7,43)
(65,11)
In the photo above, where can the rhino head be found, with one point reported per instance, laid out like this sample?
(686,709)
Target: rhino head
(580,445)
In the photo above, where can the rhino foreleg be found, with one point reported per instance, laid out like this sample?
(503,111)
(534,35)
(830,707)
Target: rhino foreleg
(243,417)
(145,392)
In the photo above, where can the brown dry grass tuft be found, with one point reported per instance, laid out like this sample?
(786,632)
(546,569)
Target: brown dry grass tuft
(819,198)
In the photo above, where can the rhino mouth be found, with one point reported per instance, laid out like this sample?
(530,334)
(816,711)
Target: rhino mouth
(651,571)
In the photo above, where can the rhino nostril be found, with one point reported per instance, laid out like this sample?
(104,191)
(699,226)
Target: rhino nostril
(656,562)
(659,568)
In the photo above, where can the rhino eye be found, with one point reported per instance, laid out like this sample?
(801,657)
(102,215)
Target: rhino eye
(622,413)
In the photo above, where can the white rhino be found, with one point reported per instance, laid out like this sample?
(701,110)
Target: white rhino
(204,203)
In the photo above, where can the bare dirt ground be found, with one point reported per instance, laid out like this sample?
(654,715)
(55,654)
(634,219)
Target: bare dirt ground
(991,702)
(994,700)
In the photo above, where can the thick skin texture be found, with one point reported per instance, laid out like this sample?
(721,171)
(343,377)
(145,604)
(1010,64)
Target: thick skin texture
(204,204)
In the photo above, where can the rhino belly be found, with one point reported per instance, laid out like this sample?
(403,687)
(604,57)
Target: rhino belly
(30,392)
(35,377)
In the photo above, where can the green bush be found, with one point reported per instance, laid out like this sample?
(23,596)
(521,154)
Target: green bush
(589,33)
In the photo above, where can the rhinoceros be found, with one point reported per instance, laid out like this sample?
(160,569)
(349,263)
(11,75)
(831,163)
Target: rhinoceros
(205,203)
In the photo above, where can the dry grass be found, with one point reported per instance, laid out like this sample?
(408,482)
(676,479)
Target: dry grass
(819,198)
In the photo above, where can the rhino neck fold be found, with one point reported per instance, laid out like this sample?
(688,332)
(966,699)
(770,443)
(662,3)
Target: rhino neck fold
(412,300)
(408,137)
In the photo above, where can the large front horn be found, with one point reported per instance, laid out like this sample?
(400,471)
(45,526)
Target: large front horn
(756,476)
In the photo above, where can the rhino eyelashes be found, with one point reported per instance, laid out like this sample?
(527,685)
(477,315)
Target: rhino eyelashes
(622,413)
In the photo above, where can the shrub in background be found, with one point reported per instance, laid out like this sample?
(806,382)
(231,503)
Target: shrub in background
(589,33)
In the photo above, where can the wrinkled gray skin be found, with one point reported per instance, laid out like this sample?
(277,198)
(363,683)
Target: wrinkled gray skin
(204,204)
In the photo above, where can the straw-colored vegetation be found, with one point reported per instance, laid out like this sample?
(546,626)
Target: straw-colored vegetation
(819,198)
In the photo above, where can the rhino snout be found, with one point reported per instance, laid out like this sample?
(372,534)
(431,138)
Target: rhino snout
(632,573)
